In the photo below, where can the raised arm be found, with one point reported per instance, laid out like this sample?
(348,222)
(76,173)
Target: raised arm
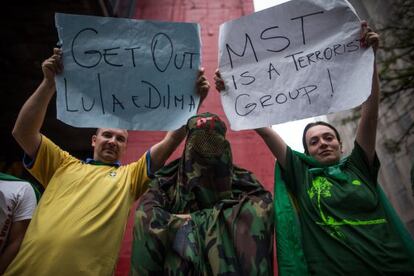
(273,141)
(161,151)
(367,128)
(26,130)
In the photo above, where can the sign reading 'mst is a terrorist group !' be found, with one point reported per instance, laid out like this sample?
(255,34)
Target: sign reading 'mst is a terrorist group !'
(127,73)
(296,60)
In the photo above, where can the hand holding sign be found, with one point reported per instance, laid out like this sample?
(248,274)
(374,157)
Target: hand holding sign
(293,61)
(52,66)
(126,73)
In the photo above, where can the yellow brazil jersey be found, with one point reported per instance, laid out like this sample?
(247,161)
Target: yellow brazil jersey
(78,226)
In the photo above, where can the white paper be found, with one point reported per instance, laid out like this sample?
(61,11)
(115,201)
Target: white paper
(296,60)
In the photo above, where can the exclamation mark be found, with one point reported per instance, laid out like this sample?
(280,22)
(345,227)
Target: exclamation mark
(330,81)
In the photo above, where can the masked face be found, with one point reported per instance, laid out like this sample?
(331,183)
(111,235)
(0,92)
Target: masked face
(207,167)
(206,137)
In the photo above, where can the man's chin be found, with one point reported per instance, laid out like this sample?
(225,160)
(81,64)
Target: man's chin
(110,153)
(110,158)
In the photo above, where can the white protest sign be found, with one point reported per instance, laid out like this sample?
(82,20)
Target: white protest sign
(127,73)
(296,60)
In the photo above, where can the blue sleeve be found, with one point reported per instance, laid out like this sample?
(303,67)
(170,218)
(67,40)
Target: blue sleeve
(28,161)
(148,160)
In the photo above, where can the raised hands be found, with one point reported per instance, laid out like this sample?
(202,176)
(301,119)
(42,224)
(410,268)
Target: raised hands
(53,65)
(369,37)
(203,86)
(218,81)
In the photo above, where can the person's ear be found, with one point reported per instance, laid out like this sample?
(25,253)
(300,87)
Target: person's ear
(93,140)
(341,148)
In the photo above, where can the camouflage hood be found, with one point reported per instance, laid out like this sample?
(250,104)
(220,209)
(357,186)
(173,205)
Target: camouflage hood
(204,173)
(231,227)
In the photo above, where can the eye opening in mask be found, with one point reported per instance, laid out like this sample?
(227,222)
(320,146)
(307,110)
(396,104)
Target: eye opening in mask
(206,143)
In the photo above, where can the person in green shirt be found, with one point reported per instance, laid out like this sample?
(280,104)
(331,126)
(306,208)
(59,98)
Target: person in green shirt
(331,216)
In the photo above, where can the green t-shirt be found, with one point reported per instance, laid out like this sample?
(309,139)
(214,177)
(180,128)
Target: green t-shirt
(343,223)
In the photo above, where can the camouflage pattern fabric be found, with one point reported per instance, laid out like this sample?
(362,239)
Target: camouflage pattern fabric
(231,227)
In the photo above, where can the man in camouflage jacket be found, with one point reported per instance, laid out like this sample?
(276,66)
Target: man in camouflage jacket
(202,215)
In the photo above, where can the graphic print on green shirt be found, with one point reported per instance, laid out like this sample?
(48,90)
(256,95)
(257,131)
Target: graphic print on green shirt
(321,188)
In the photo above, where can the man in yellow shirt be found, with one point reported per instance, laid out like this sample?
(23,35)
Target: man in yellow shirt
(78,226)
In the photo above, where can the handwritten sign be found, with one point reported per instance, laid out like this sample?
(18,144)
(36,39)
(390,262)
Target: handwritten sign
(127,73)
(296,60)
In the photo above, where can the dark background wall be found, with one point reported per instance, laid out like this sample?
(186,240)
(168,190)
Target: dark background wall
(28,36)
